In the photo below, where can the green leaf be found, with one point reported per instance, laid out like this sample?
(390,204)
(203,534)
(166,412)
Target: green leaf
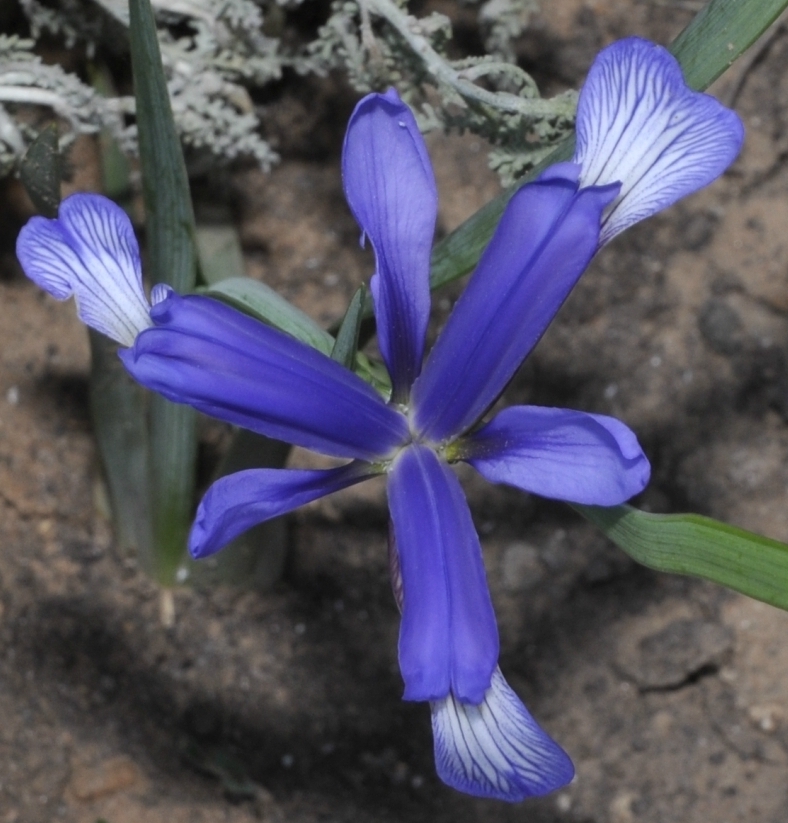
(115,166)
(700,547)
(219,252)
(346,347)
(706,48)
(118,409)
(722,31)
(169,219)
(172,260)
(261,301)
(41,171)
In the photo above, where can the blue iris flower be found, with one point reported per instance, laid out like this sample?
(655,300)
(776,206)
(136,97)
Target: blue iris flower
(643,140)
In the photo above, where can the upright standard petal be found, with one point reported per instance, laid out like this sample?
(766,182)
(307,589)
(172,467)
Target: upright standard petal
(239,501)
(496,749)
(562,454)
(448,637)
(233,367)
(638,123)
(89,251)
(545,239)
(391,190)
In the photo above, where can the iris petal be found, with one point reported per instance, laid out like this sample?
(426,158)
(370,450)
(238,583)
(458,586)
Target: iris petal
(391,190)
(89,251)
(638,123)
(448,637)
(562,454)
(545,239)
(496,749)
(239,501)
(230,366)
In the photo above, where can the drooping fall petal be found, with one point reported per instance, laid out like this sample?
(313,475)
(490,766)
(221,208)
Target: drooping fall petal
(448,637)
(496,749)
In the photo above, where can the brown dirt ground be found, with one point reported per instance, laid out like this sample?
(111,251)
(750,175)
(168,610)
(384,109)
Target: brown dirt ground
(284,705)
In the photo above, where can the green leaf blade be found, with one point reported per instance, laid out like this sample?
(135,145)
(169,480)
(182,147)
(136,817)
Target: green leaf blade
(172,260)
(118,409)
(345,349)
(690,544)
(720,33)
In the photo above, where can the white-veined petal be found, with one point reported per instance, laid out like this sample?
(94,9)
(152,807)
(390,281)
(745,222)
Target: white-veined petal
(89,251)
(638,123)
(496,749)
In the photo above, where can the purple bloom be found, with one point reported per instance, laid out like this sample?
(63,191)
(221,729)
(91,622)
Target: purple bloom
(644,140)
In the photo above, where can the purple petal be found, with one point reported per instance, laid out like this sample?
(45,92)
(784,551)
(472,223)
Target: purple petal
(230,366)
(239,501)
(448,637)
(391,190)
(639,123)
(496,749)
(89,251)
(545,239)
(561,454)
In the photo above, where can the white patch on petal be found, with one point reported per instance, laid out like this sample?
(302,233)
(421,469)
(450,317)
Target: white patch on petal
(496,749)
(639,124)
(89,251)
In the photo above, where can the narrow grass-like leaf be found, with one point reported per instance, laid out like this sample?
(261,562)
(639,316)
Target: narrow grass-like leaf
(346,346)
(721,32)
(41,171)
(118,409)
(700,547)
(172,260)
(219,252)
(115,166)
(717,35)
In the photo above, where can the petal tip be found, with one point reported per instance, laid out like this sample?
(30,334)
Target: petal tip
(496,749)
(89,251)
(639,123)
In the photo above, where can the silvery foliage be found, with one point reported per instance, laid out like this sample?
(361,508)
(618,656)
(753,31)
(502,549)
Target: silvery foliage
(26,82)
(378,43)
(208,71)
(215,50)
